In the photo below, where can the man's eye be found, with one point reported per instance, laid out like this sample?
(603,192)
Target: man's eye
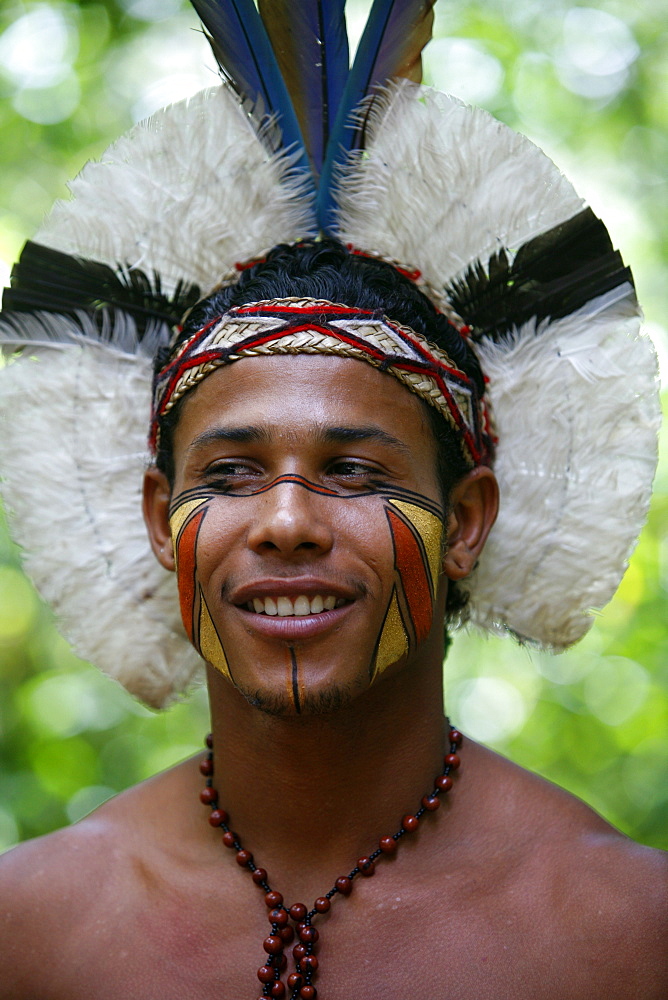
(227,473)
(347,468)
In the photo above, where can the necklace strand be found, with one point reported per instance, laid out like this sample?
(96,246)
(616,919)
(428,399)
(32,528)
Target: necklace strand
(300,982)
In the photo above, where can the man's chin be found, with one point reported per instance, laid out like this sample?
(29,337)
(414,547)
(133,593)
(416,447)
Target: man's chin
(311,703)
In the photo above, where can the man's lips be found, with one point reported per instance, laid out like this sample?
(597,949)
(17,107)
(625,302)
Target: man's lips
(293,627)
(292,608)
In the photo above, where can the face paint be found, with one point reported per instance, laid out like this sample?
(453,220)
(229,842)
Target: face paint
(416,533)
(185,523)
(417,537)
(293,680)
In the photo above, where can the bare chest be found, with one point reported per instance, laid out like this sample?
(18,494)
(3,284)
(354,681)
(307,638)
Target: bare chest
(380,944)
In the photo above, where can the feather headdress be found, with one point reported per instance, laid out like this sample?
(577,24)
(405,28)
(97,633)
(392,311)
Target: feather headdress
(291,143)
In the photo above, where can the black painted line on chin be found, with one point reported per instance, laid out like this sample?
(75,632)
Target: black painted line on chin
(295,680)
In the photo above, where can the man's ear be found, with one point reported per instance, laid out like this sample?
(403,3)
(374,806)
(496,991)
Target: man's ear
(474,503)
(157,495)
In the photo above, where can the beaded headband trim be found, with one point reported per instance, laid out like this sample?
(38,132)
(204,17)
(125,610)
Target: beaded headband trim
(314,326)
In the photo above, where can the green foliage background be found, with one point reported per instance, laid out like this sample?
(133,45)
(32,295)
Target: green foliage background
(589,85)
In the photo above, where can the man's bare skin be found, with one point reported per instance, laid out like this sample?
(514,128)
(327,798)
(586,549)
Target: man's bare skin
(512,888)
(516,890)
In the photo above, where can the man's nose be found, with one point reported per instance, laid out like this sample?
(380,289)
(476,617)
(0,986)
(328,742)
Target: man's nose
(292,520)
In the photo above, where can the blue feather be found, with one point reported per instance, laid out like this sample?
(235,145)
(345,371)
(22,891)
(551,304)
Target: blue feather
(245,56)
(389,39)
(310,41)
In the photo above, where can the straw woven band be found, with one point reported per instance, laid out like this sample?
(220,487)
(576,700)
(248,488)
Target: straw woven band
(313,326)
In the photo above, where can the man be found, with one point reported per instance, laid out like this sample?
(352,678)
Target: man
(322,486)
(511,887)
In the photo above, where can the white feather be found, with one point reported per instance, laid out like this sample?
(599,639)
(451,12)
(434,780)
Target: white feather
(73,425)
(187,193)
(576,458)
(441,185)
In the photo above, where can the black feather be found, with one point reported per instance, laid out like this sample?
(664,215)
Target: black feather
(551,276)
(48,280)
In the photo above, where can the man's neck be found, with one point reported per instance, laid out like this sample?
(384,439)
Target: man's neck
(310,795)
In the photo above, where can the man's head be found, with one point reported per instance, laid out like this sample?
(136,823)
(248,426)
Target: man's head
(321,474)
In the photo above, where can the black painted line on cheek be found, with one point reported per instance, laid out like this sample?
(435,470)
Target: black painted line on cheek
(295,680)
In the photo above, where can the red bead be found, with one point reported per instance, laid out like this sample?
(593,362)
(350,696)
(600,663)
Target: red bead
(344,885)
(265,974)
(209,741)
(273,945)
(244,858)
(456,737)
(308,992)
(444,782)
(309,962)
(366,866)
(298,951)
(452,760)
(229,838)
(259,875)
(278,916)
(208,795)
(218,817)
(308,934)
(287,934)
(281,963)
(388,845)
(298,911)
(278,989)
(431,802)
(206,767)
(322,904)
(295,980)
(410,823)
(273,899)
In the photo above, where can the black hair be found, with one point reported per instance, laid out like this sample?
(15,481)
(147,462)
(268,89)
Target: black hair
(326,269)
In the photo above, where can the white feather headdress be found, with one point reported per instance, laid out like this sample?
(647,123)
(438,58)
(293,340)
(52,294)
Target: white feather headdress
(473,206)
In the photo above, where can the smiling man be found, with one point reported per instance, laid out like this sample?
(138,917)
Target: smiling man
(318,515)
(332,436)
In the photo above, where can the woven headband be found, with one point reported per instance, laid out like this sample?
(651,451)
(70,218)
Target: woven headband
(314,326)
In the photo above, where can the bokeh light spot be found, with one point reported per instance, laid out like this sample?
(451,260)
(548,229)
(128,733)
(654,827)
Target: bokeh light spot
(67,704)
(597,51)
(463,67)
(616,689)
(488,708)
(38,49)
(50,105)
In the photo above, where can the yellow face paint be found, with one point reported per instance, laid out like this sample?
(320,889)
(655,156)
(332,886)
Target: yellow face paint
(185,524)
(417,538)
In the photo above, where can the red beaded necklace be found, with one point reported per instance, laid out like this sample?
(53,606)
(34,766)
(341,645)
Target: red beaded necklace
(300,982)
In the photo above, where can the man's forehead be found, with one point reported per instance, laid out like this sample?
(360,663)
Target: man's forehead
(316,432)
(335,399)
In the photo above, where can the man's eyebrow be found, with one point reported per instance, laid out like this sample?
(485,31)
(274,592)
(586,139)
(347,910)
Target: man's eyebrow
(258,434)
(343,435)
(235,435)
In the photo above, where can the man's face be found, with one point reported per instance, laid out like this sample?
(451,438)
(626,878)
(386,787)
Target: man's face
(306,519)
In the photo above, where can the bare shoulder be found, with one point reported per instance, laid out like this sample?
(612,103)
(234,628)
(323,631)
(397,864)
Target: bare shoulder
(611,899)
(588,895)
(63,892)
(46,892)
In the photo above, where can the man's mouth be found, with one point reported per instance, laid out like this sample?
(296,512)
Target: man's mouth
(284,607)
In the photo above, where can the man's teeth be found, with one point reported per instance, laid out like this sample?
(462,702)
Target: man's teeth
(285,606)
